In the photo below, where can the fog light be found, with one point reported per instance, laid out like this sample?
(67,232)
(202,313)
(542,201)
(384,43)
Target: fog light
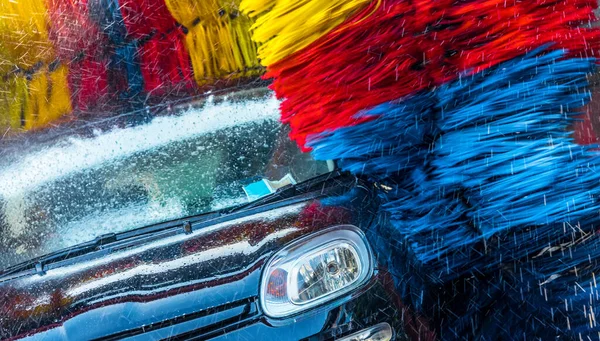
(380,332)
(314,270)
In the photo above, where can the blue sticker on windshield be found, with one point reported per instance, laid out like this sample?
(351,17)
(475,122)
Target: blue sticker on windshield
(264,187)
(258,189)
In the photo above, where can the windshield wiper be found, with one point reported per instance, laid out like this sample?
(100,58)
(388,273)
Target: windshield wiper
(38,263)
(182,225)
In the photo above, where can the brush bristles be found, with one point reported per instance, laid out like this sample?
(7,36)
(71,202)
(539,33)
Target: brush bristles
(48,98)
(70,29)
(481,175)
(392,49)
(23,34)
(218,39)
(458,111)
(13,96)
(284,27)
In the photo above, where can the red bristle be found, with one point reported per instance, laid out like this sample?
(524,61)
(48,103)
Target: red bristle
(144,17)
(486,33)
(88,81)
(71,30)
(164,60)
(162,71)
(373,58)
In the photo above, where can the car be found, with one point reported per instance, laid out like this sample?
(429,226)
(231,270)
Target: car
(204,223)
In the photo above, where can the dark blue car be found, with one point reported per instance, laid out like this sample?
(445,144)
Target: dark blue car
(204,223)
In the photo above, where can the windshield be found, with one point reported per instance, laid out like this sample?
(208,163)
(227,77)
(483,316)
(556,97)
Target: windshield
(203,156)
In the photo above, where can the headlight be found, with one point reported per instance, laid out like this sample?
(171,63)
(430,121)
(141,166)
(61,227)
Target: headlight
(314,270)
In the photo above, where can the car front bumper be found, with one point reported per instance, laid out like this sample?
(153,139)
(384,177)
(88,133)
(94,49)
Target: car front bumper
(373,304)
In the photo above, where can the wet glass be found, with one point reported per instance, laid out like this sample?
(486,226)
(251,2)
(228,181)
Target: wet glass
(195,160)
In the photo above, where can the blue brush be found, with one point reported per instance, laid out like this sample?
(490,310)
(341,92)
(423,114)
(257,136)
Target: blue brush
(491,205)
(107,14)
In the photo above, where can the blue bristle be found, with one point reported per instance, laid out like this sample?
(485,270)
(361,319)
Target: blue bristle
(126,59)
(505,143)
(107,14)
(382,147)
(486,186)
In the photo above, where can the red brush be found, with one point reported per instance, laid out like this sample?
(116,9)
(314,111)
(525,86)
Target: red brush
(323,87)
(396,48)
(165,63)
(482,34)
(78,43)
(88,82)
(143,17)
(71,30)
(164,60)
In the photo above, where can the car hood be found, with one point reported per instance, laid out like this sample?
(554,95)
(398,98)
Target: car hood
(213,271)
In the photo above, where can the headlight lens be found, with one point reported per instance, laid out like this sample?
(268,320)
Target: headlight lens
(316,269)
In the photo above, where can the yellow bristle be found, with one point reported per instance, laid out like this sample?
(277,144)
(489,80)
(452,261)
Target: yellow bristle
(283,27)
(218,39)
(23,33)
(13,99)
(48,97)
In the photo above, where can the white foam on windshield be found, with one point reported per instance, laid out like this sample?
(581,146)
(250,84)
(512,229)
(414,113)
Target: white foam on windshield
(77,154)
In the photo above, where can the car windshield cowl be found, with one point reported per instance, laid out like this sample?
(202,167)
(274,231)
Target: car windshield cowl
(107,243)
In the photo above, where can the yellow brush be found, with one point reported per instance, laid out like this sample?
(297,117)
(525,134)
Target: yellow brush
(23,33)
(24,44)
(283,27)
(13,99)
(48,97)
(218,40)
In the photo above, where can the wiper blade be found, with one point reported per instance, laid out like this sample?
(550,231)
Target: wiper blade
(38,264)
